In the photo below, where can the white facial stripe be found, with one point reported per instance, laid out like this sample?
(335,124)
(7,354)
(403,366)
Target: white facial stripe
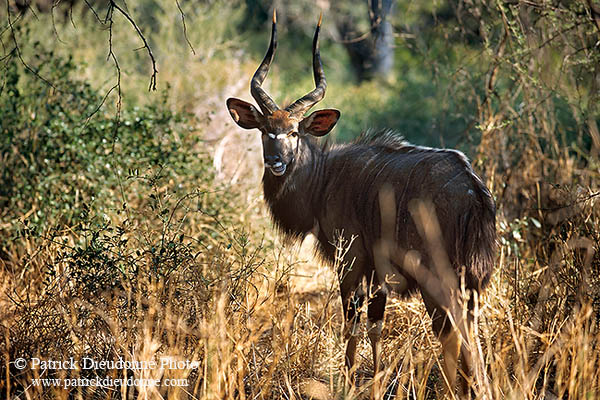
(281,136)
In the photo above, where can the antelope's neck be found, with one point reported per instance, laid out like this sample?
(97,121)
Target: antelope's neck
(292,198)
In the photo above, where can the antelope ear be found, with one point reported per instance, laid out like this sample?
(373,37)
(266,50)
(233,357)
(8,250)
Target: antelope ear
(320,122)
(244,114)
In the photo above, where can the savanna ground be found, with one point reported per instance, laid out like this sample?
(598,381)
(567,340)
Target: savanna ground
(132,226)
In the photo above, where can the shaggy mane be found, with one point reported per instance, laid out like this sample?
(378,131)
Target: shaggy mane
(384,138)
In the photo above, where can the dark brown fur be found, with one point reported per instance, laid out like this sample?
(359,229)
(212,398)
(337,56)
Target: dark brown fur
(336,191)
(338,188)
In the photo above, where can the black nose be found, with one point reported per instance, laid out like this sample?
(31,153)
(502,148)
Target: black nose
(272,159)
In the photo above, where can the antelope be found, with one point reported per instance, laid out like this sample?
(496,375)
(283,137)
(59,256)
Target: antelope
(422,220)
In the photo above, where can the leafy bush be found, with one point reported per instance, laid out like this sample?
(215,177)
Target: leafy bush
(63,151)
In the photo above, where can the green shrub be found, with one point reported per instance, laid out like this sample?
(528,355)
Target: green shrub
(64,147)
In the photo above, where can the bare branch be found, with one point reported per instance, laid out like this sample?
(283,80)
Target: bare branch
(114,5)
(93,10)
(18,49)
(54,5)
(184,27)
(111,55)
(71,16)
(89,117)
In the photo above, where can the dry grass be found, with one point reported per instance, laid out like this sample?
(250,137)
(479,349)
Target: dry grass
(277,342)
(264,321)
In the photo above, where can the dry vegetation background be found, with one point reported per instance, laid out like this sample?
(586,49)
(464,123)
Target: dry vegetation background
(133,228)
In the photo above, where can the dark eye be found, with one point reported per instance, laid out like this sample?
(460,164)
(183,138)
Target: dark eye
(292,133)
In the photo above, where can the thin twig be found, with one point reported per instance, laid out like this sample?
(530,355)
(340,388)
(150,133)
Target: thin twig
(573,203)
(18,50)
(89,117)
(152,85)
(71,16)
(93,11)
(54,5)
(185,27)
(111,55)
(357,39)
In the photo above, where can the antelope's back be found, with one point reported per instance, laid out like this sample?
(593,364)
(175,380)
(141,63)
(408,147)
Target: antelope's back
(462,205)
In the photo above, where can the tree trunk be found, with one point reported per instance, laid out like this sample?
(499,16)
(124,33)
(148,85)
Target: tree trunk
(371,54)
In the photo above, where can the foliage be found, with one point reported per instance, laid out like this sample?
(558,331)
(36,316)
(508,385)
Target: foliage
(64,152)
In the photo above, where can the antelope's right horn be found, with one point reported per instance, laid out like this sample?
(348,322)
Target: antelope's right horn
(265,102)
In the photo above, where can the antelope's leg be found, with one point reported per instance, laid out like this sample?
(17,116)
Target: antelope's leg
(458,358)
(375,313)
(448,336)
(352,300)
(467,370)
(451,344)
